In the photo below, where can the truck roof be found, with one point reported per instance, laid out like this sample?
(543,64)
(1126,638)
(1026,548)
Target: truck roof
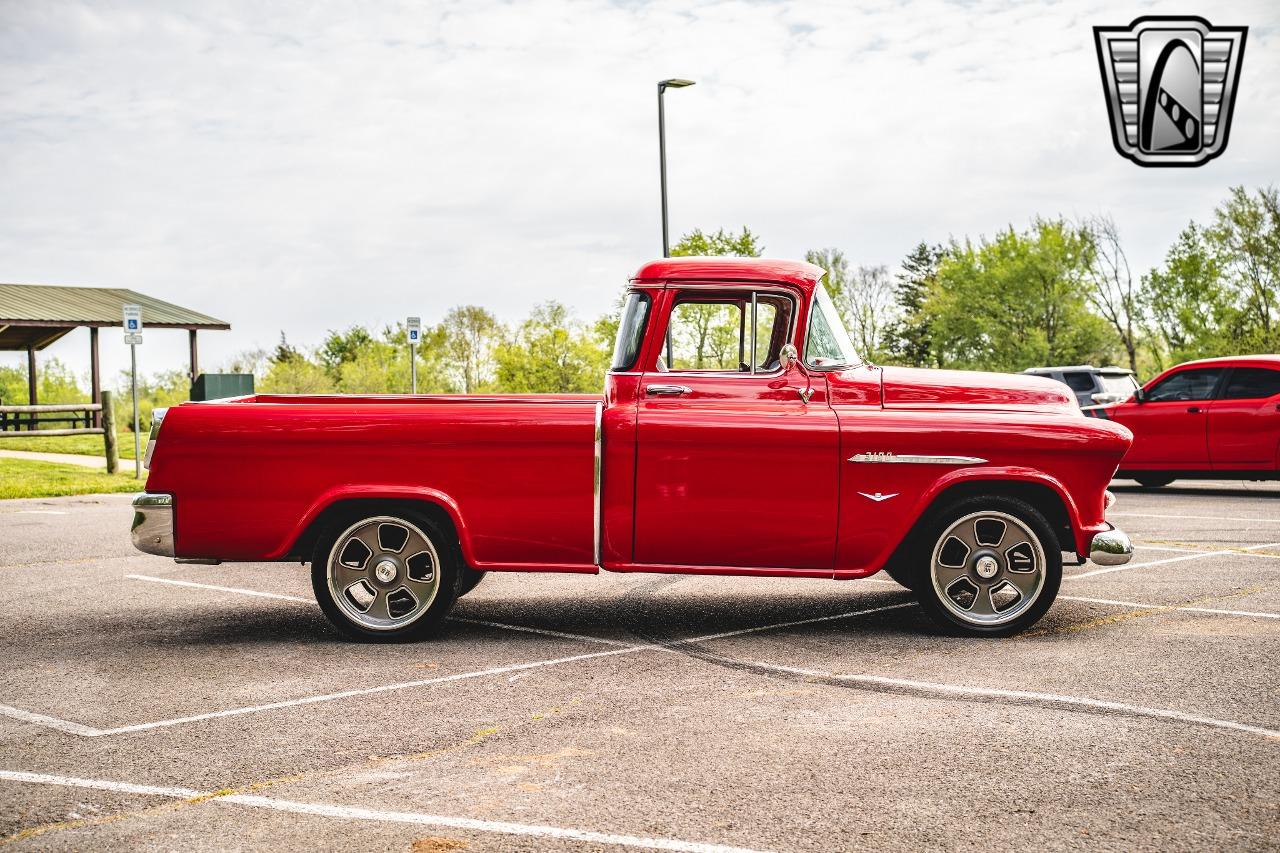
(803,275)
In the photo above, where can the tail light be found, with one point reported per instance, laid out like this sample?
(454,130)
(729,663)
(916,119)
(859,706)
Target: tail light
(157,418)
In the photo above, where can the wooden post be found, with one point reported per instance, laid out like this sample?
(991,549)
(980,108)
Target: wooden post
(109,433)
(195,359)
(31,377)
(95,381)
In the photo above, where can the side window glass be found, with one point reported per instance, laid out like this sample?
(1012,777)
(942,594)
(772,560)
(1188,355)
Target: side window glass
(773,328)
(706,336)
(1078,380)
(1187,385)
(1252,383)
(716,335)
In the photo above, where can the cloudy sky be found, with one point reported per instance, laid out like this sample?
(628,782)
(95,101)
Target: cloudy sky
(305,166)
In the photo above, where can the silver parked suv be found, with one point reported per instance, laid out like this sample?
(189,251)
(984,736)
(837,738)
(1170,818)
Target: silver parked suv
(1092,386)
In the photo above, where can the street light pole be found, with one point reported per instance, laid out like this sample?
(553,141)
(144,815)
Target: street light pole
(663,85)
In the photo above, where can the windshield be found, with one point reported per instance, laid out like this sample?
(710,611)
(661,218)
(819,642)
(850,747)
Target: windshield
(630,331)
(829,344)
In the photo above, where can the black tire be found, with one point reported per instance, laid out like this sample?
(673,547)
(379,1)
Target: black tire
(1153,481)
(469,580)
(446,574)
(987,510)
(898,571)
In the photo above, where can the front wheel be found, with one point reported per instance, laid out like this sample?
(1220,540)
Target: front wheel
(386,578)
(987,566)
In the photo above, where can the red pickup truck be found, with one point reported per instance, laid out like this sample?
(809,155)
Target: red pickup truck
(738,433)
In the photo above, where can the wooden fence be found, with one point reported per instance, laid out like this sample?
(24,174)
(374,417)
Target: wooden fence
(29,421)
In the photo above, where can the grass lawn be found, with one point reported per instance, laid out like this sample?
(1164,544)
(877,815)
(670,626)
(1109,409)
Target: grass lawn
(22,479)
(80,445)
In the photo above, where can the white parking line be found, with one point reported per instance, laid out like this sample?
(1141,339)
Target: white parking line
(1193,517)
(1188,608)
(356,813)
(87,731)
(220,588)
(963,690)
(48,722)
(1166,561)
(362,691)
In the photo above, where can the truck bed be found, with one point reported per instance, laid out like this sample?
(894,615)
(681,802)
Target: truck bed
(515,472)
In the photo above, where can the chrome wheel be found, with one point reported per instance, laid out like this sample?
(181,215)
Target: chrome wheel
(988,568)
(383,573)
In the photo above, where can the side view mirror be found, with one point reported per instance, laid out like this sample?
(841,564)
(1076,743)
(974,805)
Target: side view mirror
(1140,395)
(788,356)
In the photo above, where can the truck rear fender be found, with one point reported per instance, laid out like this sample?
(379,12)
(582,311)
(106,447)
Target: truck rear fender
(350,502)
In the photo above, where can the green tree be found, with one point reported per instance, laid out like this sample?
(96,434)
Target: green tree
(551,353)
(910,338)
(296,374)
(469,336)
(340,348)
(160,390)
(1245,239)
(1016,301)
(1187,301)
(743,244)
(1113,292)
(836,266)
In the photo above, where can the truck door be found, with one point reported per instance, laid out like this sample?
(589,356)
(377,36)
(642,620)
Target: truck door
(734,467)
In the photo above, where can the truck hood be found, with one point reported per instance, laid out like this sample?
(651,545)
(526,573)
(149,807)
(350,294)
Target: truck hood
(912,388)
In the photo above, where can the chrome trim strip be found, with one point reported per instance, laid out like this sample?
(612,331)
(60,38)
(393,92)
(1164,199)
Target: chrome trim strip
(595,532)
(914,459)
(152,530)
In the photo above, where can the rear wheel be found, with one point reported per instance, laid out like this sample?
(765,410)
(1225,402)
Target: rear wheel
(987,566)
(386,578)
(1153,481)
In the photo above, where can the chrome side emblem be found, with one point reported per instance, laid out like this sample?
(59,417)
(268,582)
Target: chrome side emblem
(1170,84)
(916,459)
(805,394)
(878,496)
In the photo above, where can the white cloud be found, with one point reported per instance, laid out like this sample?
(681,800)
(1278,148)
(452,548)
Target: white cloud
(314,165)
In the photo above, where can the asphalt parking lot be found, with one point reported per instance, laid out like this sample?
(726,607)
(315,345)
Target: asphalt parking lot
(147,705)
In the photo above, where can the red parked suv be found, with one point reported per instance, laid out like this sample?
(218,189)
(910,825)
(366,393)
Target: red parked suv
(1211,418)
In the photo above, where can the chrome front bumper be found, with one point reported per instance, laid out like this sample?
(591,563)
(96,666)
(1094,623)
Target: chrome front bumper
(152,529)
(1111,548)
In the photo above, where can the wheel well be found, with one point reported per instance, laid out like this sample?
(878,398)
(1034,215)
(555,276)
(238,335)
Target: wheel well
(1048,502)
(344,512)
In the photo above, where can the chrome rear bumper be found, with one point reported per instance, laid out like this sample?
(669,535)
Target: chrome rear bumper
(152,529)
(1111,548)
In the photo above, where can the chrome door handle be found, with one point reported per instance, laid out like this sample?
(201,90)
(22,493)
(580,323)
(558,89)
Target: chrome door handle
(667,390)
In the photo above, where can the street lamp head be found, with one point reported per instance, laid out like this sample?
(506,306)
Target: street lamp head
(674,83)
